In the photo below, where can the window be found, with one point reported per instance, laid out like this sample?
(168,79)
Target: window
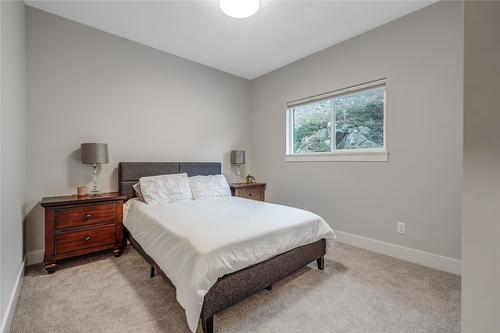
(346,125)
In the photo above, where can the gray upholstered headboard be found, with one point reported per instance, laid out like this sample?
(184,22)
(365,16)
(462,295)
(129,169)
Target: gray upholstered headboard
(130,172)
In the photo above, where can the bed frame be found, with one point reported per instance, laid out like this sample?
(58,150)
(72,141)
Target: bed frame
(230,288)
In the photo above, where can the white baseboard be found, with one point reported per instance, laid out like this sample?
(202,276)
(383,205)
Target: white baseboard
(11,306)
(428,259)
(35,257)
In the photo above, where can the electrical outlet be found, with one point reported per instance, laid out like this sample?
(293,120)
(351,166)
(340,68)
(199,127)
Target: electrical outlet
(401,228)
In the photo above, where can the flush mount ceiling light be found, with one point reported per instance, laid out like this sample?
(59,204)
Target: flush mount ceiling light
(239,8)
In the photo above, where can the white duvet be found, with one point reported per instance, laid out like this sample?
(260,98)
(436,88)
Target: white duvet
(195,242)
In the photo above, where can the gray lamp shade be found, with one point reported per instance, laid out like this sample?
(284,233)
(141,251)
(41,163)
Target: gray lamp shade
(94,153)
(237,157)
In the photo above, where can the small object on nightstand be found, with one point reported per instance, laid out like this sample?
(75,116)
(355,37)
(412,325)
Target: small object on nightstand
(249,179)
(255,191)
(81,191)
(81,225)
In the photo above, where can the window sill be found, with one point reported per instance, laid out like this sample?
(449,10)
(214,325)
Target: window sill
(340,156)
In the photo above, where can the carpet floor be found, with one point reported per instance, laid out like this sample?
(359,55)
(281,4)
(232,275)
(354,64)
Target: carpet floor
(359,291)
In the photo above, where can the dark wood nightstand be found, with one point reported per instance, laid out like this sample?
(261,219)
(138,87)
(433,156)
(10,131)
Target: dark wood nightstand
(81,225)
(255,191)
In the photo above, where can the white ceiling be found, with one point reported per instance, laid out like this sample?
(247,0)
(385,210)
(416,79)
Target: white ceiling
(280,33)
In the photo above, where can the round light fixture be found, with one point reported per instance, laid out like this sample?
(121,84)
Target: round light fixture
(239,8)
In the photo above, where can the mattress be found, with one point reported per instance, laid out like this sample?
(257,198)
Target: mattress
(195,242)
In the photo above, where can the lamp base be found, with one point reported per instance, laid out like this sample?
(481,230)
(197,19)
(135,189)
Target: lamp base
(94,192)
(238,174)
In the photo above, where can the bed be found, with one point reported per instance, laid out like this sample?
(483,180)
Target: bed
(215,270)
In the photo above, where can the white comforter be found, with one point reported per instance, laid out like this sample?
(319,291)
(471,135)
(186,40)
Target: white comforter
(195,242)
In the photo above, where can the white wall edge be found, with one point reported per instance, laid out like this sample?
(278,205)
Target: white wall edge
(35,257)
(14,297)
(428,259)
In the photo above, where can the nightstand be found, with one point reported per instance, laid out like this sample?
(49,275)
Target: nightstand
(255,191)
(82,225)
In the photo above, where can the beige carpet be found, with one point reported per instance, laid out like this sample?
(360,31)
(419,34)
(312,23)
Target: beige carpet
(359,291)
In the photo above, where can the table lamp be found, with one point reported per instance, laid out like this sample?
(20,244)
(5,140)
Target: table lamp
(94,153)
(238,159)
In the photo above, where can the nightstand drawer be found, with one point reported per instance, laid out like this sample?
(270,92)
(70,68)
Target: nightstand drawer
(79,240)
(255,193)
(85,215)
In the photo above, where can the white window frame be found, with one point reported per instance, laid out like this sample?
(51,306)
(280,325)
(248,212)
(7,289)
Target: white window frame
(341,155)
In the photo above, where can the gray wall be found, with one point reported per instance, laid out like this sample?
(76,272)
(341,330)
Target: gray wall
(421,57)
(13,148)
(85,85)
(481,227)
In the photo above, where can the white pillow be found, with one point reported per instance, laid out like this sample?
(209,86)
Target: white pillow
(165,188)
(209,186)
(137,190)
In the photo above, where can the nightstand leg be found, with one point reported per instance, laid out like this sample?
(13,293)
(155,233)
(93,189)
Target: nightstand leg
(51,267)
(117,252)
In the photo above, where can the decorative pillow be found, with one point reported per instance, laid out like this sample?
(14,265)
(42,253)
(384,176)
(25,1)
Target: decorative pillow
(209,186)
(165,188)
(137,190)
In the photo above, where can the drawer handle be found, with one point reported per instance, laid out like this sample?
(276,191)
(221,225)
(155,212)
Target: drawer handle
(88,216)
(87,238)
(249,194)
